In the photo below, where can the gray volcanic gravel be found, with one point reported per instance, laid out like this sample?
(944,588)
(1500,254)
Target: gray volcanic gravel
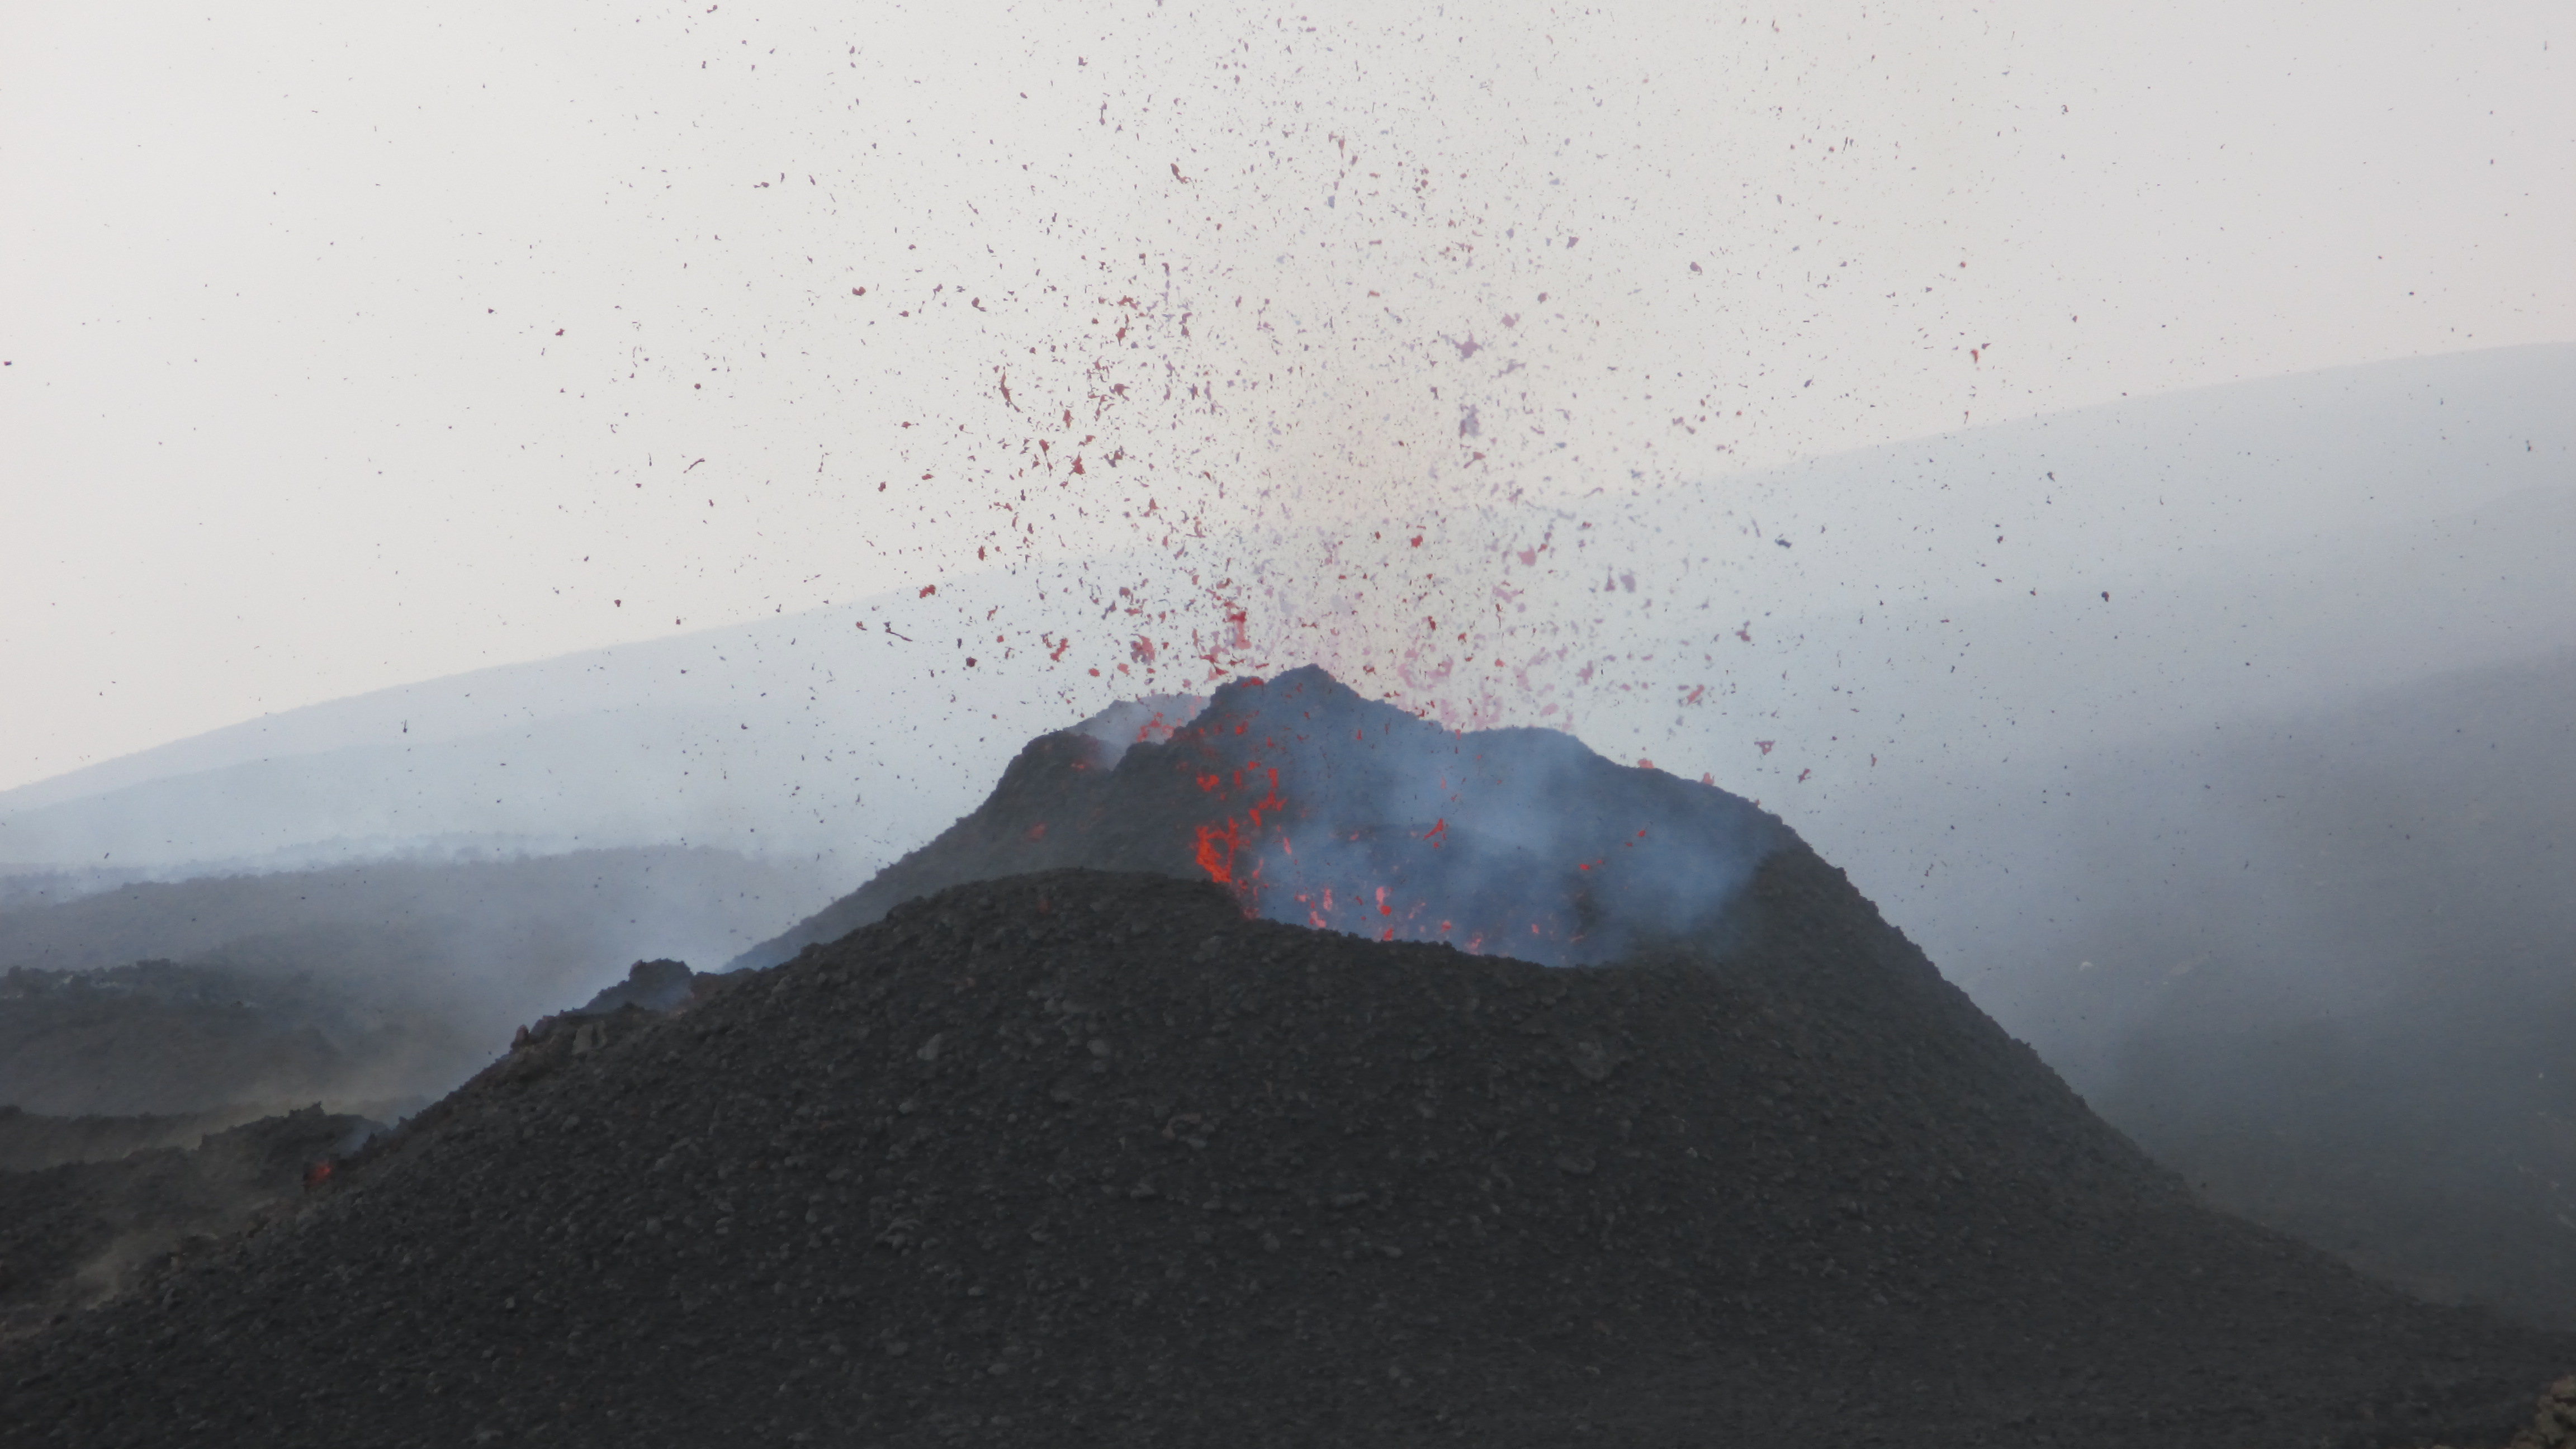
(1078,1158)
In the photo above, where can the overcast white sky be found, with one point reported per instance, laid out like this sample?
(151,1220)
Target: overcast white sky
(350,346)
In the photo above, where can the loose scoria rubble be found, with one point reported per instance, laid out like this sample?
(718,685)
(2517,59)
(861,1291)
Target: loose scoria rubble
(1081,1158)
(2554,1427)
(72,1233)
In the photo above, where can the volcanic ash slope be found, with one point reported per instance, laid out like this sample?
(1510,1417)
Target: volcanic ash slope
(1089,1158)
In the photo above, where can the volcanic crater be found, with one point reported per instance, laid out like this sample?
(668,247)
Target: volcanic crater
(1317,806)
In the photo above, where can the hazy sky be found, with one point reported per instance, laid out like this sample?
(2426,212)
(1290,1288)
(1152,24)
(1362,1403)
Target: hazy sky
(347,347)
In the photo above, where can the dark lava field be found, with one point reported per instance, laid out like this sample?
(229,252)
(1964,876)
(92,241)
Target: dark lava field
(1043,1154)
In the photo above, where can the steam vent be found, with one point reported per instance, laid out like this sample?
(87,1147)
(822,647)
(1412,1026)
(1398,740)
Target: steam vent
(1301,1075)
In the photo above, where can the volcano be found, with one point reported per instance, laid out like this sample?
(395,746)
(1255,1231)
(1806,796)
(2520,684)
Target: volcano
(1063,1155)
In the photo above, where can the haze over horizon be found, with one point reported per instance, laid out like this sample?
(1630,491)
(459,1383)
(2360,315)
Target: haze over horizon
(2409,529)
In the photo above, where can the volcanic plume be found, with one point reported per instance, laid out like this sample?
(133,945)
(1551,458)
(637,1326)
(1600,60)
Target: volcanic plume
(1316,806)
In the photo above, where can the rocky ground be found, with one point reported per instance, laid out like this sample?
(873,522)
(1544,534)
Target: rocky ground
(88,1226)
(2554,1427)
(1082,1158)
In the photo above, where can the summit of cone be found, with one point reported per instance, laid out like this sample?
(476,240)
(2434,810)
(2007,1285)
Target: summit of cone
(1315,805)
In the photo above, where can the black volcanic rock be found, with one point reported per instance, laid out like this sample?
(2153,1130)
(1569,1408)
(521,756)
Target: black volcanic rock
(651,988)
(76,1232)
(1316,806)
(1076,1158)
(652,985)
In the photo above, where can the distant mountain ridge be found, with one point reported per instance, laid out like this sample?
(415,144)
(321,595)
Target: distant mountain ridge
(2249,522)
(358,983)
